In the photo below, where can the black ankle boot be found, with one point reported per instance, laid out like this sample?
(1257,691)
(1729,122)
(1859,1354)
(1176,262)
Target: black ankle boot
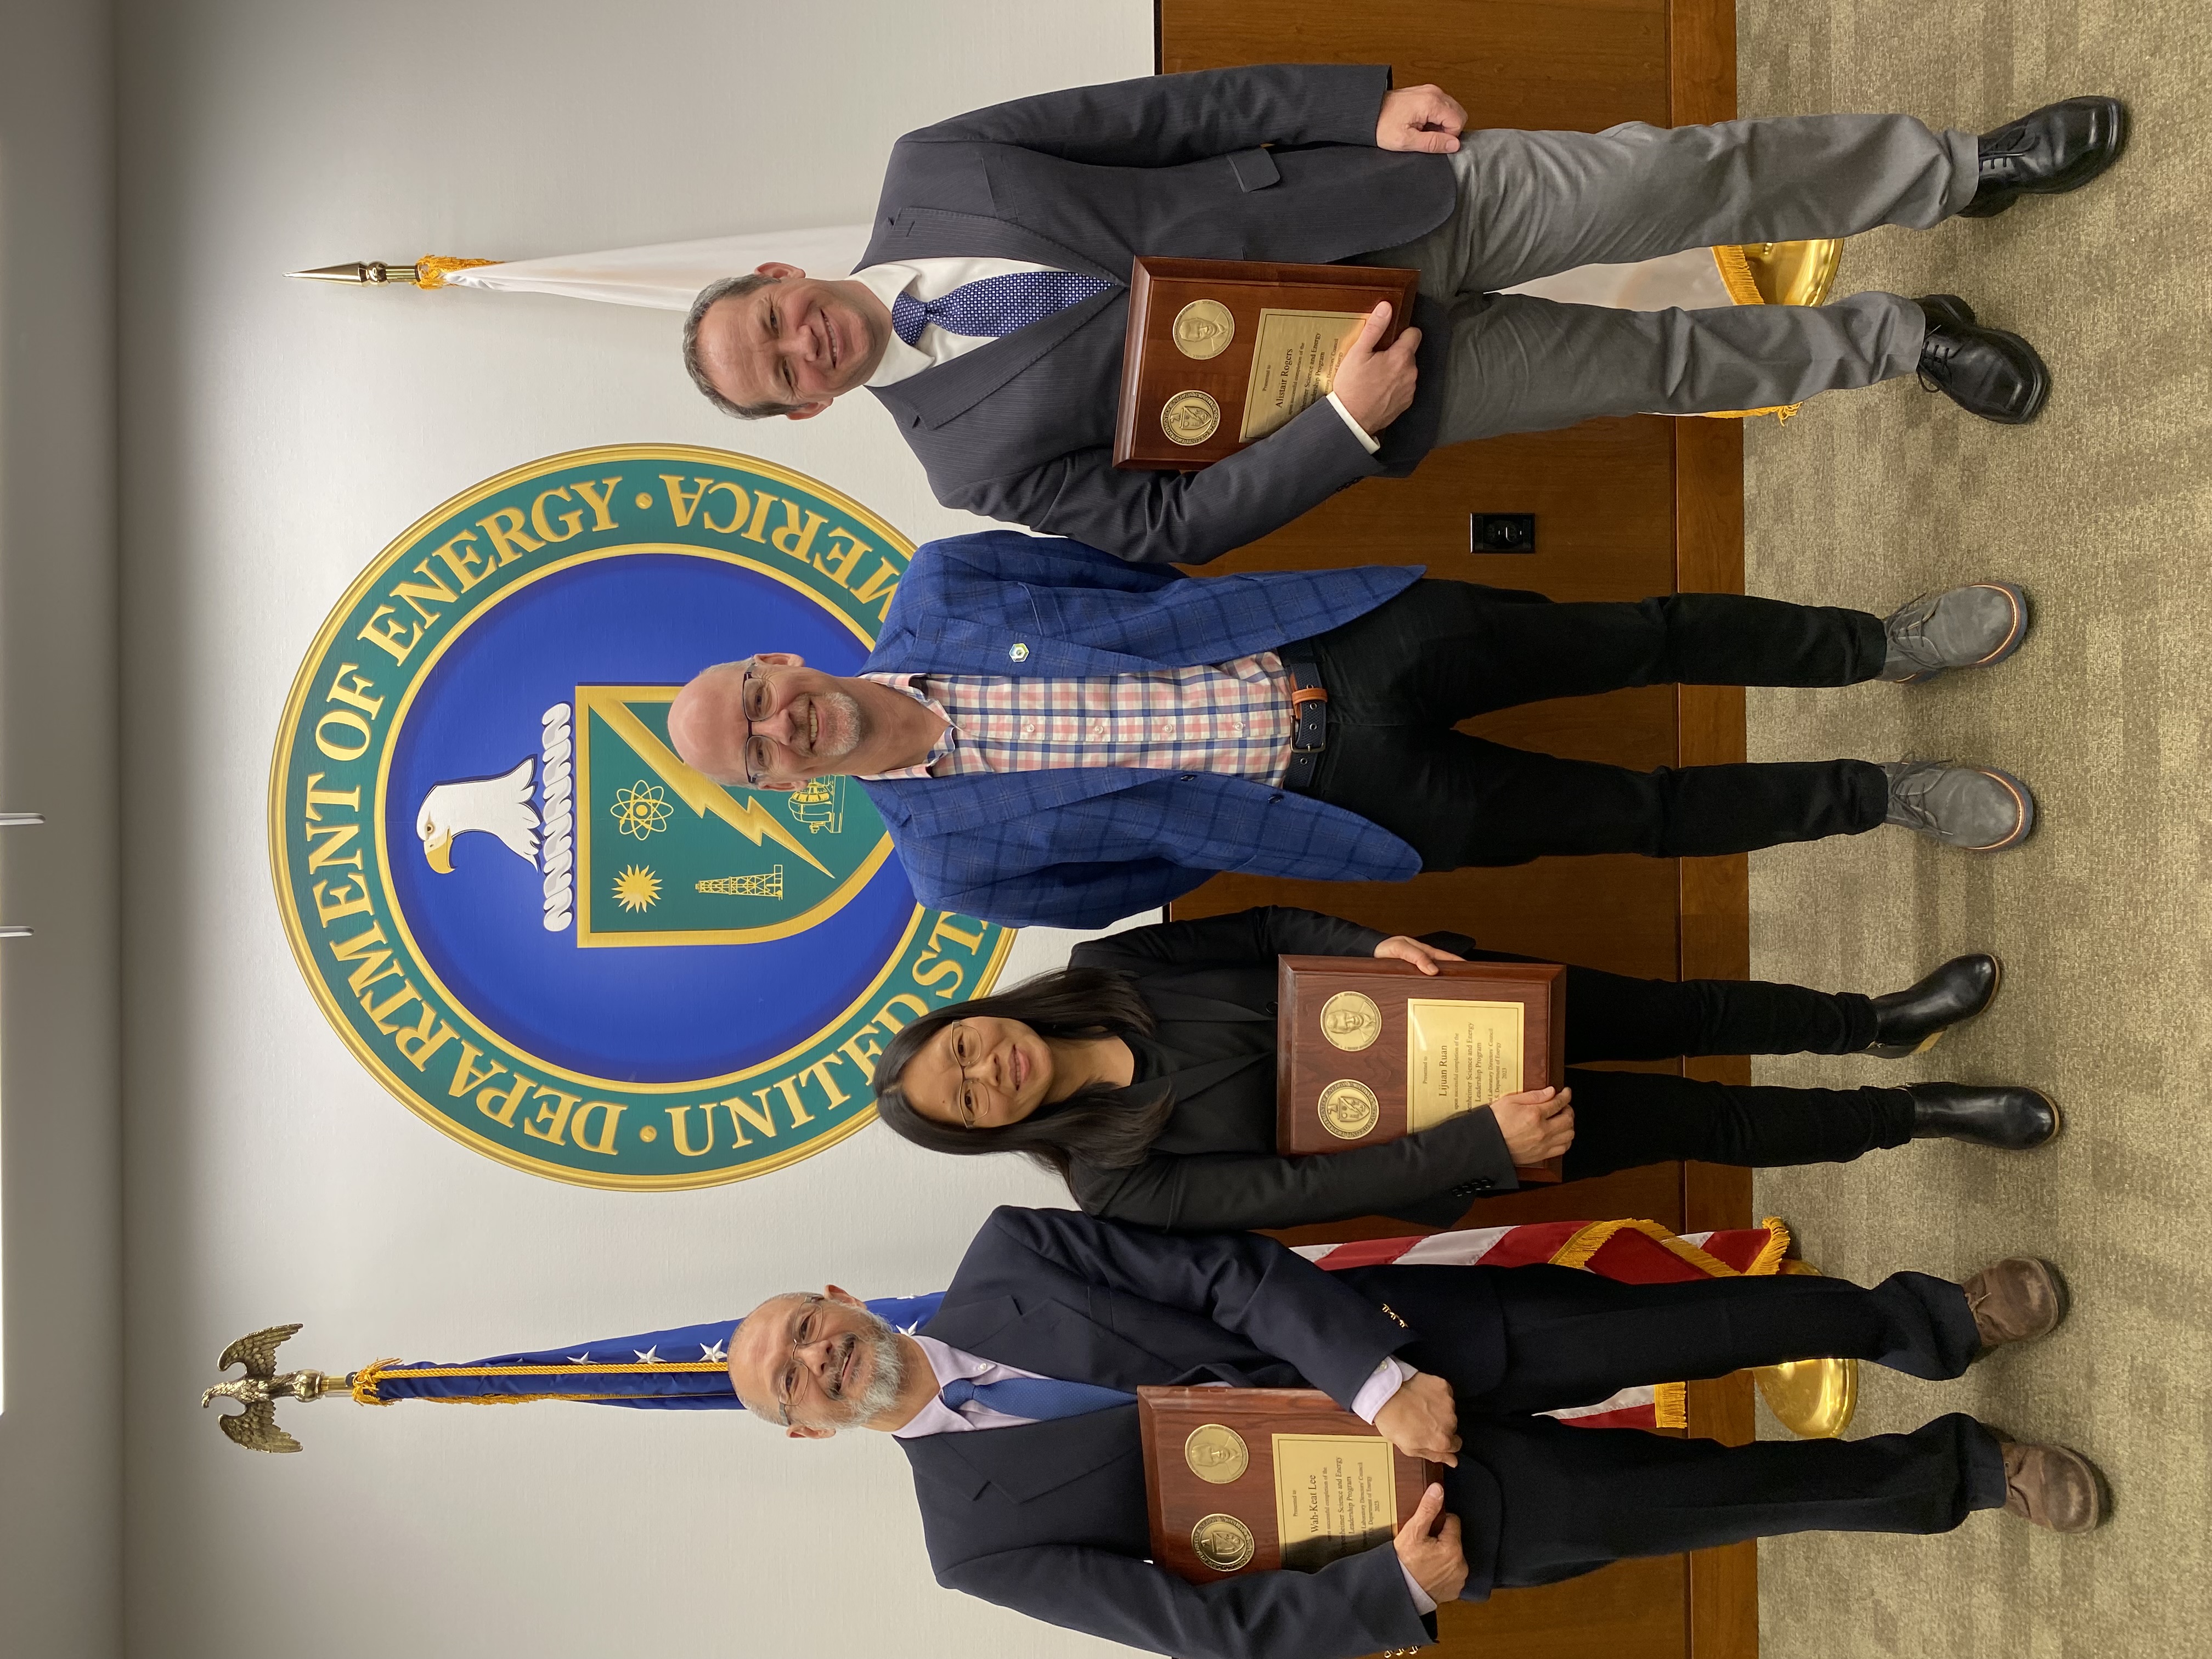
(2006,1116)
(1909,1021)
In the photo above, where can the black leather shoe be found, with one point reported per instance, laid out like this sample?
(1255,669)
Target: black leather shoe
(1985,371)
(2010,1118)
(1909,1022)
(2058,147)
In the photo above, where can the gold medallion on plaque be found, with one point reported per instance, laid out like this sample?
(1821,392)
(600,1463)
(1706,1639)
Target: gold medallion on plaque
(1223,1542)
(1351,1021)
(1217,1454)
(1190,418)
(1204,329)
(1349,1110)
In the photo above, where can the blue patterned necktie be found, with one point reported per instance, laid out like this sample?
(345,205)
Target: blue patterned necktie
(1037,1398)
(997,305)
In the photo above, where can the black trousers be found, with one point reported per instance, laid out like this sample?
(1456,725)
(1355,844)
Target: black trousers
(1402,676)
(1625,1119)
(1570,1500)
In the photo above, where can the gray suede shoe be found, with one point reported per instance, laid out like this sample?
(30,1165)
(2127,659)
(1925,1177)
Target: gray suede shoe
(1965,627)
(1975,807)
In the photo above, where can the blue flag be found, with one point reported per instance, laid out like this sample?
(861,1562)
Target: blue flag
(683,1369)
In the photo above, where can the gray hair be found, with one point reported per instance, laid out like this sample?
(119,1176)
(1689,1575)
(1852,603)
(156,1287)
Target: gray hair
(728,288)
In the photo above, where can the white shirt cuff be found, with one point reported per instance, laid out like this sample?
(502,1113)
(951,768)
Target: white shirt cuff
(1357,430)
(1422,1604)
(1376,1391)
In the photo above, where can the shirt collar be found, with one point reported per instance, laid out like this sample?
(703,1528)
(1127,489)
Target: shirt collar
(900,360)
(944,1364)
(946,743)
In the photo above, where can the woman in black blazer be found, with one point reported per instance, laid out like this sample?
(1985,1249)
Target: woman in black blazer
(1144,1074)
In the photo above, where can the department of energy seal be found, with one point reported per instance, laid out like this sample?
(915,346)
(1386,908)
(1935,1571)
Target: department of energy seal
(1217,1454)
(1204,329)
(1351,1021)
(1223,1542)
(1349,1110)
(1190,418)
(537,926)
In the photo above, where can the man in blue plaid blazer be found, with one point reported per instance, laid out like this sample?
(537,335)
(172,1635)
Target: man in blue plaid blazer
(1057,737)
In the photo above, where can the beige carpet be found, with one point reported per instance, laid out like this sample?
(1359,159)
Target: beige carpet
(2104,510)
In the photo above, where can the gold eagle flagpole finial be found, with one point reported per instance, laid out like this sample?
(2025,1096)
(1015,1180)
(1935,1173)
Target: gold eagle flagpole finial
(263,1386)
(428,271)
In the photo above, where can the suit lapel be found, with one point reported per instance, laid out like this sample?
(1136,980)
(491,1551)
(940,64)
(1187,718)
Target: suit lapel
(919,233)
(951,390)
(945,805)
(1027,1462)
(1052,1340)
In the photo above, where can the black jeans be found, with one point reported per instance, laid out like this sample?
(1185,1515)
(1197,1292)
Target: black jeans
(1570,1500)
(1402,676)
(1625,1119)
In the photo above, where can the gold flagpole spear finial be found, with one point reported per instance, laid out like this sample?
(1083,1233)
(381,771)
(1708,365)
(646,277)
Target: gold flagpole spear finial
(428,271)
(263,1386)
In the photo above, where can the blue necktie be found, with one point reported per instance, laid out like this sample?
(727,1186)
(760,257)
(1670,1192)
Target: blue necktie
(996,305)
(1037,1398)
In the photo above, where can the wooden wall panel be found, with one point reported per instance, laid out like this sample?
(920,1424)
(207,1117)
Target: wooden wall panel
(1625,509)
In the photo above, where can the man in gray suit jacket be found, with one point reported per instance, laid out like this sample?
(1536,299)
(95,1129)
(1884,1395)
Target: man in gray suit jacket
(989,310)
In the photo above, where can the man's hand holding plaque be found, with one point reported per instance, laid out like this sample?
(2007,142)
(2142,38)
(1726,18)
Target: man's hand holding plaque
(1422,1419)
(1376,387)
(1432,1552)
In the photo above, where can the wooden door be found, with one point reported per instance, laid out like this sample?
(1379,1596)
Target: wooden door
(1625,508)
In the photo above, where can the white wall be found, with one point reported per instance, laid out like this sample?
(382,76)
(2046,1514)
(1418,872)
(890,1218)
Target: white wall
(274,436)
(60,1171)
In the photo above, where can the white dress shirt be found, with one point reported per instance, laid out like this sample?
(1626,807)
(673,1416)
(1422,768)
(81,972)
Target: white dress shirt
(946,1363)
(932,279)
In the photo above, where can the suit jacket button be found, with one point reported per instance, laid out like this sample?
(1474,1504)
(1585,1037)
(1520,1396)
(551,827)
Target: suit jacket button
(1269,1009)
(1190,777)
(1018,651)
(1278,795)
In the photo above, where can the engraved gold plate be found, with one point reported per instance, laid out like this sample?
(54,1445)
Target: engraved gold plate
(1190,418)
(1351,1021)
(1336,1495)
(1223,1542)
(1217,1454)
(1349,1110)
(1460,1056)
(1294,359)
(1204,329)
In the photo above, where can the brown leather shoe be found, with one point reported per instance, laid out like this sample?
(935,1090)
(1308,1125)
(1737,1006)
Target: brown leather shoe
(2016,1299)
(2053,1487)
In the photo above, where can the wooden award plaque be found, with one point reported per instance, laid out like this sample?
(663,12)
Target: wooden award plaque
(1250,1480)
(1196,383)
(1371,1049)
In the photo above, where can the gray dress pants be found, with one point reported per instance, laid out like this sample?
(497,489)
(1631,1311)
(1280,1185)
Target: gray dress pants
(1533,204)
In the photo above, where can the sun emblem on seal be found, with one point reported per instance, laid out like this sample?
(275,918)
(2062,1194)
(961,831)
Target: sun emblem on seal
(636,888)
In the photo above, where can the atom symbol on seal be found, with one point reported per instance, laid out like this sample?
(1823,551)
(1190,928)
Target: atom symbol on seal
(640,809)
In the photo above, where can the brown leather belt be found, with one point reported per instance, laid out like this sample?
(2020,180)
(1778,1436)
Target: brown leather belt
(1309,716)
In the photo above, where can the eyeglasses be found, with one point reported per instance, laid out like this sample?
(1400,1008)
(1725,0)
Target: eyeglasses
(966,1051)
(753,700)
(802,1333)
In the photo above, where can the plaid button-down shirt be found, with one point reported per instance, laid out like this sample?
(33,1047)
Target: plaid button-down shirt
(1231,717)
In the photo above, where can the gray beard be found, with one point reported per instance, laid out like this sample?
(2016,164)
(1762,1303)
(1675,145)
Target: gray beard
(886,1376)
(856,721)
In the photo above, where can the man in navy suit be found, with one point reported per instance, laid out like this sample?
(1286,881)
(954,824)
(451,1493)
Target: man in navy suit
(989,310)
(1015,1405)
(1057,737)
